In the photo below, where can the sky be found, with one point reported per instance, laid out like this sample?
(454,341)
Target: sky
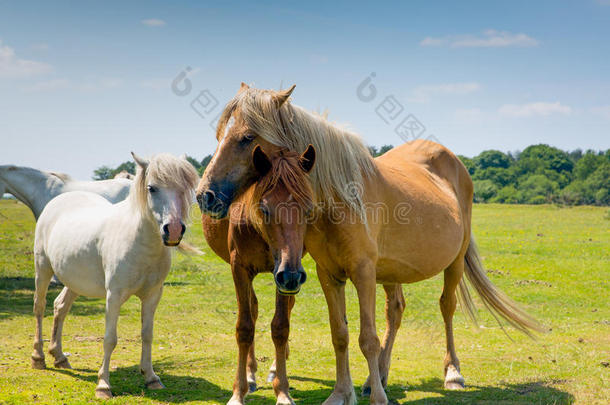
(84,83)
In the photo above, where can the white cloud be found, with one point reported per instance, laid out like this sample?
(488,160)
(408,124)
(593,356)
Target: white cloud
(603,110)
(534,109)
(154,22)
(488,39)
(49,85)
(11,66)
(423,94)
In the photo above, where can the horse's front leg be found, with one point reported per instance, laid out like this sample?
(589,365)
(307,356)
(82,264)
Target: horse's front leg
(394,308)
(364,279)
(334,291)
(252,363)
(244,329)
(113,307)
(280,330)
(149,306)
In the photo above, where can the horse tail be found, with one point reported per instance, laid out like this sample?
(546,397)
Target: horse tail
(496,302)
(188,249)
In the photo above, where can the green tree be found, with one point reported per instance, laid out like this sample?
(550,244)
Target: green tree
(492,158)
(103,173)
(537,189)
(484,190)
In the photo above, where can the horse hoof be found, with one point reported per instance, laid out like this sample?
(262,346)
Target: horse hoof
(38,363)
(285,401)
(103,393)
(366,391)
(251,387)
(155,385)
(271,377)
(454,385)
(64,363)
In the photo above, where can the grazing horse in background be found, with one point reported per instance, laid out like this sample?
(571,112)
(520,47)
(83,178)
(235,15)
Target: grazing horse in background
(36,188)
(124,174)
(98,249)
(424,194)
(244,240)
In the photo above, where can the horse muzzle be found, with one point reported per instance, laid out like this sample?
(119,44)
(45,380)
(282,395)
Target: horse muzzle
(289,281)
(212,205)
(169,239)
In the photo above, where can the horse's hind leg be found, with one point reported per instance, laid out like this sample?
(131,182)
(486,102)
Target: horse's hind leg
(149,306)
(43,277)
(61,307)
(280,331)
(394,308)
(448,301)
(252,364)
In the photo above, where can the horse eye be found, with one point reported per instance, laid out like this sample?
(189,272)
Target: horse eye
(151,189)
(247,139)
(265,211)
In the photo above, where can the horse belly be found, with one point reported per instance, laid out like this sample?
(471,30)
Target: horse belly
(73,254)
(419,249)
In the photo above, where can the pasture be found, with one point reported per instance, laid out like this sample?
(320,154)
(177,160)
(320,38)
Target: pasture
(556,261)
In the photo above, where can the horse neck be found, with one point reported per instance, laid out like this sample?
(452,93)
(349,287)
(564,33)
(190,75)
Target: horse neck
(33,187)
(144,225)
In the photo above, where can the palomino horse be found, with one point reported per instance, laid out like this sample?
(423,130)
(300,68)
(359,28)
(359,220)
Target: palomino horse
(244,240)
(98,249)
(425,196)
(36,188)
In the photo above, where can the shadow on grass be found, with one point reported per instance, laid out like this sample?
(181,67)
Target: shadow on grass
(127,381)
(17,299)
(538,392)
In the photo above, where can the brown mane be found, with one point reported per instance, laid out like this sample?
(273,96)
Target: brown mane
(286,171)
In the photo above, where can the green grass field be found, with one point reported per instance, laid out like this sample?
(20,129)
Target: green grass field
(556,261)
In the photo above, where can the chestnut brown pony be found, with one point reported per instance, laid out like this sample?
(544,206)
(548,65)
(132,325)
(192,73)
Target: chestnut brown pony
(401,218)
(260,219)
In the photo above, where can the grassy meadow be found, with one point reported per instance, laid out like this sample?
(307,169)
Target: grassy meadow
(556,261)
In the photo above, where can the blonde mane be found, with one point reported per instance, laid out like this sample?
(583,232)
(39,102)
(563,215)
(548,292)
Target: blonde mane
(165,170)
(342,159)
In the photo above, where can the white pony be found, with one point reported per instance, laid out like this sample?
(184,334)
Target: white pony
(98,249)
(36,188)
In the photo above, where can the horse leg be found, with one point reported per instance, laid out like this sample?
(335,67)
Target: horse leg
(252,364)
(61,307)
(364,280)
(273,368)
(448,300)
(244,329)
(394,308)
(113,306)
(43,277)
(149,306)
(280,330)
(334,291)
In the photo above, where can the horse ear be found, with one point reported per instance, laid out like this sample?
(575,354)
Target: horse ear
(281,96)
(261,161)
(308,158)
(243,87)
(143,163)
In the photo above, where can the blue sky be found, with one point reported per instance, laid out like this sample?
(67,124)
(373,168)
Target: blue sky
(84,83)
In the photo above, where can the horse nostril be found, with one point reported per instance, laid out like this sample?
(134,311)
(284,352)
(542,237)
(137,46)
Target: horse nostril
(183,230)
(279,277)
(303,277)
(166,229)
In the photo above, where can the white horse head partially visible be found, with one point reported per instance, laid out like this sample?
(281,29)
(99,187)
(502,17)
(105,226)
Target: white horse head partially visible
(164,190)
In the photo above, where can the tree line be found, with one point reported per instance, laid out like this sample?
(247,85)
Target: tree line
(539,174)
